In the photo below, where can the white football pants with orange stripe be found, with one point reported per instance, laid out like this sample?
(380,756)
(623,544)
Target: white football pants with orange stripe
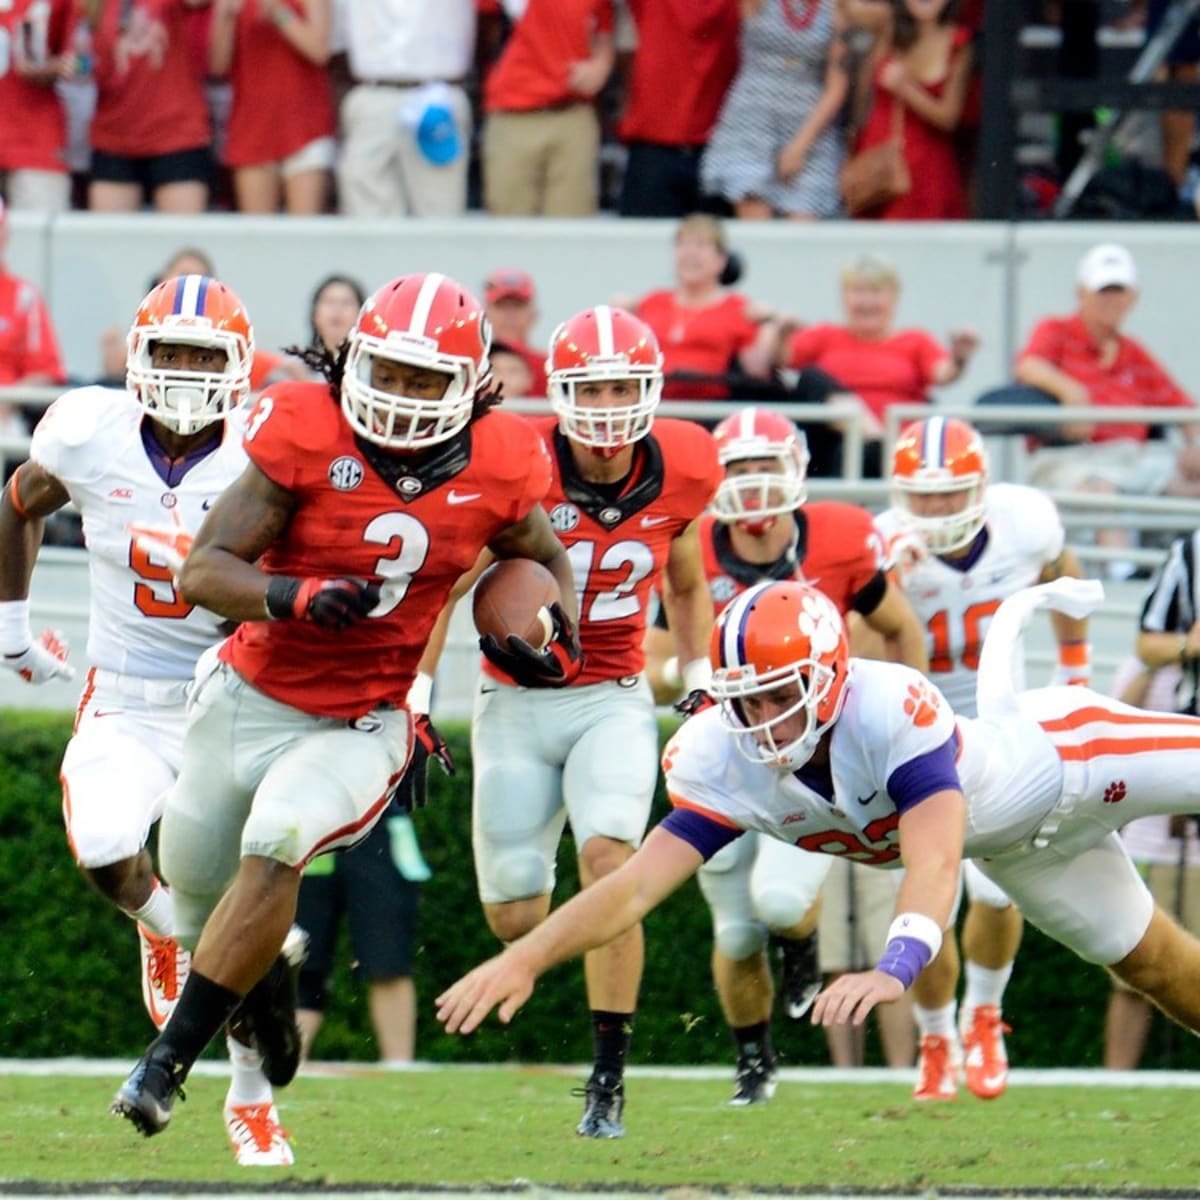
(1072,876)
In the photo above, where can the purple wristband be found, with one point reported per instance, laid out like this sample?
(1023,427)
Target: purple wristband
(904,958)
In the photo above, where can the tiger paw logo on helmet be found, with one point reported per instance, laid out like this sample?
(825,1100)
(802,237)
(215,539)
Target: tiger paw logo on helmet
(921,704)
(819,622)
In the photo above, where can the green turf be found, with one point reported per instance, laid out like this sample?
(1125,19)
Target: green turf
(465,1127)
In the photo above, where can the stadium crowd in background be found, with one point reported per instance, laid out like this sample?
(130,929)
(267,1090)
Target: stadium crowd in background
(415,107)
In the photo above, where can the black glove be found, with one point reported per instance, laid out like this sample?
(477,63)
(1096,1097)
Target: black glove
(697,700)
(425,732)
(330,603)
(558,663)
(410,791)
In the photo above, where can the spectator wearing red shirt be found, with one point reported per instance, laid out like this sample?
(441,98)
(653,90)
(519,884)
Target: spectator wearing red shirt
(279,150)
(1085,359)
(509,301)
(150,131)
(28,344)
(541,139)
(686,58)
(33,124)
(705,330)
(868,356)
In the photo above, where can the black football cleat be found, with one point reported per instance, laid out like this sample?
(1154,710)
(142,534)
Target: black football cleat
(604,1105)
(147,1096)
(801,979)
(754,1082)
(267,1017)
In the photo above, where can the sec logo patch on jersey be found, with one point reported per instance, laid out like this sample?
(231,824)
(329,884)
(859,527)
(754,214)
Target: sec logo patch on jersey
(345,473)
(564,518)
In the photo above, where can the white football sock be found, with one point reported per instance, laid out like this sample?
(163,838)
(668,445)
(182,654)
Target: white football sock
(248,1084)
(158,913)
(984,986)
(936,1021)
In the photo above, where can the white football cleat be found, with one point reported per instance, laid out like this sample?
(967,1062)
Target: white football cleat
(257,1137)
(165,966)
(937,1068)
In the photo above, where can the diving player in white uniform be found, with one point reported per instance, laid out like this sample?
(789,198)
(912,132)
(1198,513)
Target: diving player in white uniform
(865,759)
(961,546)
(142,466)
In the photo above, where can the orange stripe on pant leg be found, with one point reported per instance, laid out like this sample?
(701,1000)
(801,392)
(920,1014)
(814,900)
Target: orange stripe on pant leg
(67,816)
(1125,746)
(1084,716)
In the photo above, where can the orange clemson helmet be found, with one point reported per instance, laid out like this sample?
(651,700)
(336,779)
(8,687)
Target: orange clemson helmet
(190,310)
(597,345)
(941,456)
(757,435)
(428,321)
(780,636)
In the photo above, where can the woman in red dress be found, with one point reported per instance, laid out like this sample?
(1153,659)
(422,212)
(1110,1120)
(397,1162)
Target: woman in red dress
(281,127)
(925,67)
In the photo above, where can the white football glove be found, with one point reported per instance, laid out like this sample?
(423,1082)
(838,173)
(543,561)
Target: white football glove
(46,658)
(169,544)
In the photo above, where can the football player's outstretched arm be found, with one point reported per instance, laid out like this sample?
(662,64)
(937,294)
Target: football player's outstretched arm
(689,607)
(219,574)
(931,838)
(894,618)
(589,919)
(535,538)
(1071,633)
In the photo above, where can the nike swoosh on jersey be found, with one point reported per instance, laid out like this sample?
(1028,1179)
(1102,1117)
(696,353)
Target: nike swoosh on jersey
(867,799)
(453,497)
(650,522)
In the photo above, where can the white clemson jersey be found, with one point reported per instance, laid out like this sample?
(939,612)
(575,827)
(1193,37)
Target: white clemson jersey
(955,600)
(896,738)
(90,439)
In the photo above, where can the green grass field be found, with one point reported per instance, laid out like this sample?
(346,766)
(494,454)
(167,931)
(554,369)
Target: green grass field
(502,1126)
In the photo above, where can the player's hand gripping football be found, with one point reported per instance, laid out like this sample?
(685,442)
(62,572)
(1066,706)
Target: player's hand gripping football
(411,791)
(330,603)
(558,663)
(45,658)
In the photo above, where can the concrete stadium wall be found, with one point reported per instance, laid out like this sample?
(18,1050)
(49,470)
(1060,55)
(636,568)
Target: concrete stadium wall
(998,279)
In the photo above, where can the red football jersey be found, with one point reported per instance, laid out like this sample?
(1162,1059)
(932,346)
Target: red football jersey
(33,124)
(837,550)
(618,546)
(415,536)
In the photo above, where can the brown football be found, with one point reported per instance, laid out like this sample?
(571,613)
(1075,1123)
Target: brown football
(512,597)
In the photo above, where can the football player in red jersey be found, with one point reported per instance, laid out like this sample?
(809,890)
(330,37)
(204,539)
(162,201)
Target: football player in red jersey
(625,497)
(762,528)
(364,501)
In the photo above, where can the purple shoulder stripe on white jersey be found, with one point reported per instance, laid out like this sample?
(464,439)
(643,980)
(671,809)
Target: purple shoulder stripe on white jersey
(921,777)
(702,833)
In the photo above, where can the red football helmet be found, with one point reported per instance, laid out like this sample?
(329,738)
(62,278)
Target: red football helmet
(780,635)
(427,321)
(749,496)
(938,457)
(191,310)
(596,345)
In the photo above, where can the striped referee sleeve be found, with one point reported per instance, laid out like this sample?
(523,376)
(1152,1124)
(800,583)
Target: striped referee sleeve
(1168,606)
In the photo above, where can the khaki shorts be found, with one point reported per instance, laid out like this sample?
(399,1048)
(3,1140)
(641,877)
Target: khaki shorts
(858,905)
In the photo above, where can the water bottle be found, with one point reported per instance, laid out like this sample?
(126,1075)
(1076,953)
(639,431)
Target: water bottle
(81,50)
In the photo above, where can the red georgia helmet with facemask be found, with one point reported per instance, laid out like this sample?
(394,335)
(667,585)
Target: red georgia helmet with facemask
(597,345)
(783,635)
(427,321)
(190,310)
(935,457)
(759,435)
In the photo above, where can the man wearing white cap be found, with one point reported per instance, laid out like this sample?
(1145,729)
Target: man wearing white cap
(1085,359)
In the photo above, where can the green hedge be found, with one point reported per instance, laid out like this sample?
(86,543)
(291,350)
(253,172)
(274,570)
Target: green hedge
(69,963)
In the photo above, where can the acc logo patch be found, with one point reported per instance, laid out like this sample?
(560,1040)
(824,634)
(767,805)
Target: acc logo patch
(921,705)
(564,518)
(345,473)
